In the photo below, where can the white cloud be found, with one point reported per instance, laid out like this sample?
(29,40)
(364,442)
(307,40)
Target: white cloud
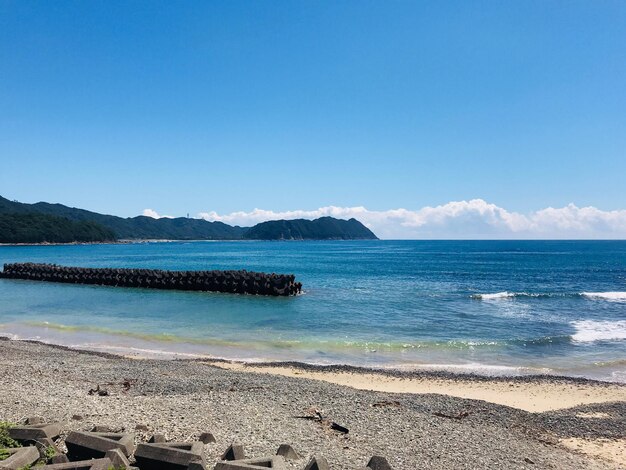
(458,219)
(154,214)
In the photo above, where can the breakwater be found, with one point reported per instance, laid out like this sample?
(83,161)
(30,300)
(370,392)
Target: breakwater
(235,282)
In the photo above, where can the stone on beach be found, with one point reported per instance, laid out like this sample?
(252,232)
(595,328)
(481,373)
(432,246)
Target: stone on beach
(35,420)
(101,428)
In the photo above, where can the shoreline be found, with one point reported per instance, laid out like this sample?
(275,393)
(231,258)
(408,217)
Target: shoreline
(426,373)
(110,242)
(261,406)
(532,393)
(191,240)
(529,393)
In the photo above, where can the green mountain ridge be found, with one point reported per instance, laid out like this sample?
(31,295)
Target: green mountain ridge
(38,228)
(326,228)
(142,227)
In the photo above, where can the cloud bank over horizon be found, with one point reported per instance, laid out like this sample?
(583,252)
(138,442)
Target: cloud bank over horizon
(471,219)
(154,214)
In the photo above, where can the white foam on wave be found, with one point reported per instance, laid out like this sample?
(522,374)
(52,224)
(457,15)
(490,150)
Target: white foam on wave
(489,370)
(612,296)
(496,296)
(589,331)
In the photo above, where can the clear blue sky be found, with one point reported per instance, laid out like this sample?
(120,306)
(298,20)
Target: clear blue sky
(197,106)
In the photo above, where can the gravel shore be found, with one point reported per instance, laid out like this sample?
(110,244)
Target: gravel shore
(182,399)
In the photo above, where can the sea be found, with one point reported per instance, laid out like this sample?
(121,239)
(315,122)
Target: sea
(496,308)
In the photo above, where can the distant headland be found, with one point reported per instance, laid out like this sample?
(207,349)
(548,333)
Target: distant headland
(43,222)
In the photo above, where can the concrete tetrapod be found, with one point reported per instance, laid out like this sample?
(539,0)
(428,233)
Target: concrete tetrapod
(20,457)
(276,462)
(317,463)
(94,464)
(378,463)
(35,432)
(239,282)
(94,445)
(287,452)
(167,455)
(117,458)
(206,438)
(234,452)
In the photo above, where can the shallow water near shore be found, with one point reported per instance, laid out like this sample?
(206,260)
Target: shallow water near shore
(492,307)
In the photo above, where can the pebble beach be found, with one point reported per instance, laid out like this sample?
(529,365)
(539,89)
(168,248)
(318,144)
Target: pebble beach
(261,409)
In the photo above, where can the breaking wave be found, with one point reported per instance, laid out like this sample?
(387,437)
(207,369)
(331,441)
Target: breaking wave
(497,295)
(589,331)
(610,296)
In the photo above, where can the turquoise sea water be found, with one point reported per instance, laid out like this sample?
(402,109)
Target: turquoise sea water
(492,307)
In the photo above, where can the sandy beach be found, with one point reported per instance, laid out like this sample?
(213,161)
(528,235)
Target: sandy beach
(525,394)
(427,421)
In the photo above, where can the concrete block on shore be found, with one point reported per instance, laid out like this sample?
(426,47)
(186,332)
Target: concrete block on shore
(378,463)
(157,439)
(101,464)
(35,432)
(94,445)
(206,438)
(287,452)
(197,465)
(43,445)
(59,458)
(317,463)
(234,452)
(167,455)
(117,458)
(93,464)
(20,457)
(276,462)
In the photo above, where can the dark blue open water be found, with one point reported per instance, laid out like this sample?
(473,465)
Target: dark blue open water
(494,307)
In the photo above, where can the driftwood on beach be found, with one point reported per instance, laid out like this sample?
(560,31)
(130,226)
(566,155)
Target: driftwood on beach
(236,282)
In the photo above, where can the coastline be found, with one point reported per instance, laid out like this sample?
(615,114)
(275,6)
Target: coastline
(529,393)
(119,242)
(110,242)
(532,393)
(190,240)
(578,421)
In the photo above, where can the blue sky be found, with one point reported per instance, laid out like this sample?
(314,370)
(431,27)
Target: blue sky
(193,107)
